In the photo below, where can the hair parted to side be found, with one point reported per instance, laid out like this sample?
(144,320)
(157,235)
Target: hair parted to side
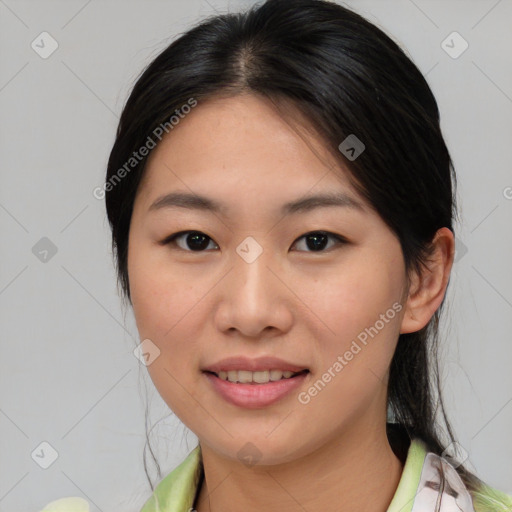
(346,76)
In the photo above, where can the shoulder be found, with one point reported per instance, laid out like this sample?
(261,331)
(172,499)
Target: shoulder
(432,480)
(489,499)
(70,504)
(174,492)
(178,489)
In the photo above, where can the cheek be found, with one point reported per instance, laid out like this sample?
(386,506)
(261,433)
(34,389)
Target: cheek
(353,311)
(169,317)
(162,297)
(353,295)
(166,311)
(166,306)
(354,346)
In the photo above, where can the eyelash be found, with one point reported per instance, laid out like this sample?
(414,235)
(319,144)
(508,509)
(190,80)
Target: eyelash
(170,240)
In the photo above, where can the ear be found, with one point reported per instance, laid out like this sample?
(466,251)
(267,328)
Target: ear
(427,289)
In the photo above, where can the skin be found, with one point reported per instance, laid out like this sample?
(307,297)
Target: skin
(292,302)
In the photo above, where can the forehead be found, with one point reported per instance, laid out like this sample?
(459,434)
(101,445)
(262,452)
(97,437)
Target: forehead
(239,148)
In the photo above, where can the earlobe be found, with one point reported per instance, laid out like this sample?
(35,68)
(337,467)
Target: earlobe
(427,289)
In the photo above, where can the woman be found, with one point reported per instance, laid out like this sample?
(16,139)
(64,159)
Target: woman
(281,203)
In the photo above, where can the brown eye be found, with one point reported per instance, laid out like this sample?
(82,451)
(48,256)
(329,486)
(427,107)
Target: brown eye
(192,241)
(316,241)
(196,241)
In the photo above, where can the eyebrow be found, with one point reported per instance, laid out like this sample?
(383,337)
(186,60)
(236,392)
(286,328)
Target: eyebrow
(303,205)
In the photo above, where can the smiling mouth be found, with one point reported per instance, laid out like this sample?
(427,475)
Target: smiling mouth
(261,377)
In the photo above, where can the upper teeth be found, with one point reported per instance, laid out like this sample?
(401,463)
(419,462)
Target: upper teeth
(263,377)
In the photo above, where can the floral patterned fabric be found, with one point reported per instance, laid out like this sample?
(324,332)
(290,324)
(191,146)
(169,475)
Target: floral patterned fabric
(441,488)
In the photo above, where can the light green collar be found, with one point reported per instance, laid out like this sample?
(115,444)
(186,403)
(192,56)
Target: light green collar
(177,491)
(403,499)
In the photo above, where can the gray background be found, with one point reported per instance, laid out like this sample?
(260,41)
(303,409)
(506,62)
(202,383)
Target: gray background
(68,374)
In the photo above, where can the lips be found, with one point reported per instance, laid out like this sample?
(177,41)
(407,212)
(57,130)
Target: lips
(255,396)
(253,365)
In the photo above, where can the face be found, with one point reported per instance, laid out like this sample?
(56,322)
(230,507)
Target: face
(255,280)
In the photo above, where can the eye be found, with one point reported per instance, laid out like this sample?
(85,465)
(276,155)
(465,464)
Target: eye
(196,241)
(317,240)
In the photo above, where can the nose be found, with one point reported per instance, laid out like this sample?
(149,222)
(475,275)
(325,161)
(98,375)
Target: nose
(254,298)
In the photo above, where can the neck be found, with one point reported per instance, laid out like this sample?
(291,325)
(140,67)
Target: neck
(358,471)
